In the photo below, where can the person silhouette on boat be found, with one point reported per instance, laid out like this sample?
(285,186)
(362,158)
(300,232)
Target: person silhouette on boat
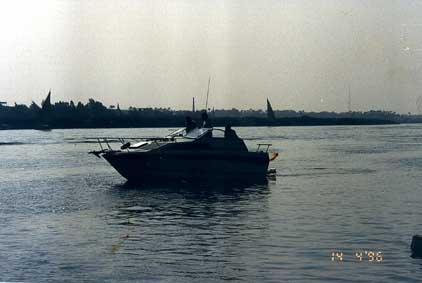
(190,124)
(229,133)
(205,122)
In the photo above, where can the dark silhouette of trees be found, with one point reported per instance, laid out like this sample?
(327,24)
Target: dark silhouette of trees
(94,114)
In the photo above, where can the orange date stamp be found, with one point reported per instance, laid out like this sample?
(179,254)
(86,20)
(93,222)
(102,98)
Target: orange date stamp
(357,256)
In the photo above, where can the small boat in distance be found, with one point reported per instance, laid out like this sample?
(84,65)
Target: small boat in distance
(186,154)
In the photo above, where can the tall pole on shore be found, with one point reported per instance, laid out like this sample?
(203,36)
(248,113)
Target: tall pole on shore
(349,102)
(193,104)
(208,92)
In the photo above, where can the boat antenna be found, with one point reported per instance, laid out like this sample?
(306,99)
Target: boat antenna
(208,93)
(349,102)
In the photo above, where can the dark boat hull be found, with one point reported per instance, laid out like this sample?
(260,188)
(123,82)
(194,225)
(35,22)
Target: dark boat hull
(139,166)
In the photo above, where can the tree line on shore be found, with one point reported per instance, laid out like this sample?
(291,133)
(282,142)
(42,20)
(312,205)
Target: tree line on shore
(94,114)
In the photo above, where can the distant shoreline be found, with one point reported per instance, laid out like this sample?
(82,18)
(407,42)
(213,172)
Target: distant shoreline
(94,114)
(216,122)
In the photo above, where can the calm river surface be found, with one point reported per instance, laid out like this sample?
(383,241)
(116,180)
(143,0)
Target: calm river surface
(68,216)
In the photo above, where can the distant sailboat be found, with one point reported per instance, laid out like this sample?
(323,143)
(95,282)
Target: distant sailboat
(46,104)
(46,109)
(270,112)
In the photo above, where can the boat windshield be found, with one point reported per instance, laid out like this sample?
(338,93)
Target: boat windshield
(178,133)
(192,134)
(197,133)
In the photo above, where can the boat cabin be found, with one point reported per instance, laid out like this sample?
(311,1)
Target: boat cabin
(195,139)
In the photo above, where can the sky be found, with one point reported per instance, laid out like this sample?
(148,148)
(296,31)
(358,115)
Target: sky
(302,55)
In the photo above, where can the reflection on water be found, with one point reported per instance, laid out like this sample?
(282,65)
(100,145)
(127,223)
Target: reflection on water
(187,200)
(208,185)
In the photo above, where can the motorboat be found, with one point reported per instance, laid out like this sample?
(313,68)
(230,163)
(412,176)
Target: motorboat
(187,154)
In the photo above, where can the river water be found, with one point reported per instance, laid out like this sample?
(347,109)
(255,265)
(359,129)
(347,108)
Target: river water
(68,216)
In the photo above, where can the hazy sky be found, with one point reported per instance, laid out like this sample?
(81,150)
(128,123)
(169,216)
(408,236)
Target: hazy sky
(299,54)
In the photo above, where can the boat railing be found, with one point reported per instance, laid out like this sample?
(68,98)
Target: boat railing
(266,146)
(105,143)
